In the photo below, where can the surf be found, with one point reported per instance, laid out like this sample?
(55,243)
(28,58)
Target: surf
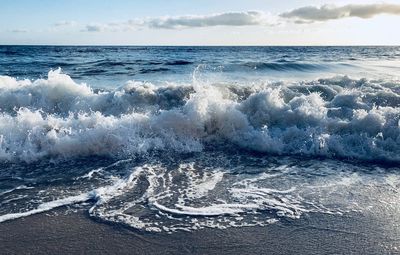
(338,118)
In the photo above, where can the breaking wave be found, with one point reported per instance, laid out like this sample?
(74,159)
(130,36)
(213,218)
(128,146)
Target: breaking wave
(336,118)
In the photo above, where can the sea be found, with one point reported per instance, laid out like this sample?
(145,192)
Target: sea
(166,139)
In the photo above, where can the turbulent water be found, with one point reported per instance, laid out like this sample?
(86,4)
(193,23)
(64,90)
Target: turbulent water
(182,138)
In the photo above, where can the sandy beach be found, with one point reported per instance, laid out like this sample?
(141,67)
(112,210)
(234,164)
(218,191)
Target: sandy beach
(59,232)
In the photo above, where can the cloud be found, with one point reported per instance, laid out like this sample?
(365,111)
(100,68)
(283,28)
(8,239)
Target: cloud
(303,15)
(331,12)
(248,18)
(110,27)
(19,31)
(65,23)
(94,28)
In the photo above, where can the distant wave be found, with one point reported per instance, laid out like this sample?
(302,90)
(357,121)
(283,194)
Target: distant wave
(284,66)
(116,63)
(338,118)
(179,63)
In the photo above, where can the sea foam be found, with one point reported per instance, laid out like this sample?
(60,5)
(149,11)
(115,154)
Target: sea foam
(337,118)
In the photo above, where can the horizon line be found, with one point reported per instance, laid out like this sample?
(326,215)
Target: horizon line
(199,45)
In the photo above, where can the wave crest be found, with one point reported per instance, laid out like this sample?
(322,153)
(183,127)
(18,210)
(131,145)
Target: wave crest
(338,117)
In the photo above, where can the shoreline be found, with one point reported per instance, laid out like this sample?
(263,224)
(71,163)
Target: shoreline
(65,232)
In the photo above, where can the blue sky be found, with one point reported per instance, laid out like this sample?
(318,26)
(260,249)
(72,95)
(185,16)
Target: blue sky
(203,22)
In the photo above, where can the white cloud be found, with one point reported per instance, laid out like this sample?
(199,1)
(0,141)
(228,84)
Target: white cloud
(303,15)
(94,28)
(331,12)
(65,23)
(19,31)
(111,27)
(248,18)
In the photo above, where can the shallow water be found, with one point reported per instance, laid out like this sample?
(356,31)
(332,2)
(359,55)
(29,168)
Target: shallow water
(209,137)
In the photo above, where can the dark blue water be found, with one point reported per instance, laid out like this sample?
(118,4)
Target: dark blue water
(183,138)
(111,66)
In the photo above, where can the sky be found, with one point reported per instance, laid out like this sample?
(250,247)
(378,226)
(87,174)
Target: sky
(199,22)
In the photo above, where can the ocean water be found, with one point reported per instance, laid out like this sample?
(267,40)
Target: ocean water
(167,139)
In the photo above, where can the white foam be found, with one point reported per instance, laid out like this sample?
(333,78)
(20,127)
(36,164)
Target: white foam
(196,195)
(21,187)
(47,206)
(59,118)
(155,198)
(212,210)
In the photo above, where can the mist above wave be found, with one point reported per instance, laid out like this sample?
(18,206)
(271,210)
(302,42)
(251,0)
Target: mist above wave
(339,117)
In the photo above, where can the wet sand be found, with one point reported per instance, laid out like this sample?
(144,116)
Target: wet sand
(66,233)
